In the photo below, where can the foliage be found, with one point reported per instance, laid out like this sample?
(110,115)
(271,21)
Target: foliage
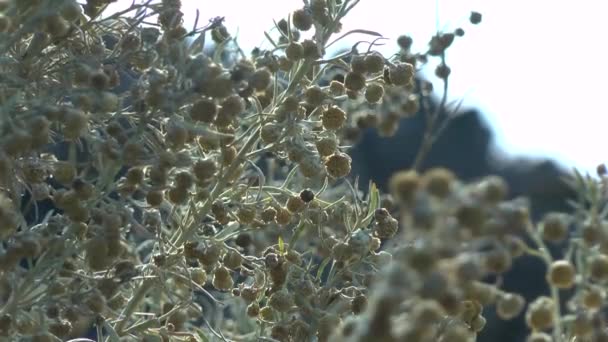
(155,192)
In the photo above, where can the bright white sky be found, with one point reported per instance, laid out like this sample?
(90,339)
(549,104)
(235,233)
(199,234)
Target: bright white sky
(534,68)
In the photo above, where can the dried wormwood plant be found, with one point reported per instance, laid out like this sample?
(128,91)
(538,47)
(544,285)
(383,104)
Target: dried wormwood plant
(193,196)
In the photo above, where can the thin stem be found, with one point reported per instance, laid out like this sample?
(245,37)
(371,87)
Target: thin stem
(139,295)
(546,255)
(429,137)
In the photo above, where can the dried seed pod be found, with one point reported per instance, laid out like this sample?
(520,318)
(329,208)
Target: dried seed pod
(307,195)
(97,250)
(493,189)
(211,255)
(302,19)
(374,92)
(204,110)
(281,301)
(443,71)
(204,169)
(333,118)
(222,280)
(178,195)
(540,314)
(598,268)
(561,274)
(374,63)
(314,96)
(253,309)
(338,165)
(271,132)
(311,49)
(405,42)
(327,145)
(438,182)
(283,216)
(294,51)
(509,305)
(475,18)
(268,214)
(554,227)
(154,198)
(593,298)
(404,185)
(135,176)
(354,81)
(336,88)
(228,155)
(295,204)
(260,79)
(357,64)
(401,74)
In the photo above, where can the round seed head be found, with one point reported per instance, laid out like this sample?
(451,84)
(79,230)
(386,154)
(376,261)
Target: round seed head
(593,298)
(281,301)
(270,132)
(374,92)
(327,145)
(204,110)
(302,19)
(307,195)
(338,165)
(154,198)
(598,268)
(404,185)
(283,216)
(204,169)
(260,79)
(295,204)
(311,50)
(554,228)
(509,305)
(269,214)
(402,74)
(443,71)
(354,81)
(374,63)
(314,96)
(246,214)
(475,18)
(438,182)
(357,64)
(405,42)
(222,280)
(540,314)
(253,309)
(336,88)
(294,51)
(333,118)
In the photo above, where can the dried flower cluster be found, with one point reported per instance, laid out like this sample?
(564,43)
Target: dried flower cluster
(153,192)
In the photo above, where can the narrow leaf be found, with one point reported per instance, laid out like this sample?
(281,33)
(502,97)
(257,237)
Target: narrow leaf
(322,267)
(368,32)
(281,246)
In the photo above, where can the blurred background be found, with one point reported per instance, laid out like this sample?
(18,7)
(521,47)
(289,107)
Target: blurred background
(534,69)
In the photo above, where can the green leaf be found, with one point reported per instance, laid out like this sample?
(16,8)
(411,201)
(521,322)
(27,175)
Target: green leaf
(281,246)
(270,40)
(202,335)
(322,267)
(374,203)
